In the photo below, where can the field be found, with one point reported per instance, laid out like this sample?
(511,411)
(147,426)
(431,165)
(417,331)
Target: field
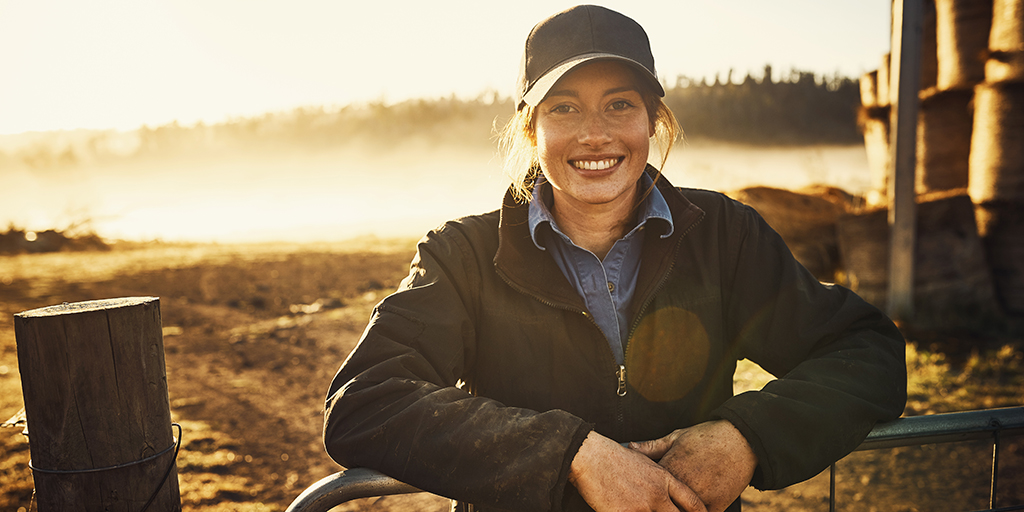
(254,333)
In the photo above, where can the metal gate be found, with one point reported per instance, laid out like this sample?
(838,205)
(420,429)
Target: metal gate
(993,424)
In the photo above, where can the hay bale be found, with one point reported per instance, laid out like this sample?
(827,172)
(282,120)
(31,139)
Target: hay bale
(944,126)
(876,144)
(997,143)
(1006,42)
(952,283)
(1001,226)
(869,89)
(873,121)
(884,81)
(961,39)
(806,221)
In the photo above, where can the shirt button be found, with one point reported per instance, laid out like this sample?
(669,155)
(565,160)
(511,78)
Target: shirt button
(611,286)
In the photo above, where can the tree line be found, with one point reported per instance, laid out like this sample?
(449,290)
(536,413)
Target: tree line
(799,109)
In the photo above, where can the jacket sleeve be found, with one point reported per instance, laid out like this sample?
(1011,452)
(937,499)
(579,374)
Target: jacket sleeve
(397,404)
(840,361)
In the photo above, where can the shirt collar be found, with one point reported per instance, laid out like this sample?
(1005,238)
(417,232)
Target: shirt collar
(653,207)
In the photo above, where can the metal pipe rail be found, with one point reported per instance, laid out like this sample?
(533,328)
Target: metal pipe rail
(358,483)
(945,428)
(351,484)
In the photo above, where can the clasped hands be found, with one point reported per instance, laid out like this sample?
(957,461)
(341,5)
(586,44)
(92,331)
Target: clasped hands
(701,468)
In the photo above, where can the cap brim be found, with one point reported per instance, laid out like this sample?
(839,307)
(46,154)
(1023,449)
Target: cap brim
(540,88)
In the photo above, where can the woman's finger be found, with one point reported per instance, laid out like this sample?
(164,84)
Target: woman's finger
(685,498)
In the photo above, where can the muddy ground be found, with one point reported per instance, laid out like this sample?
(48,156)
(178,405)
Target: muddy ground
(253,335)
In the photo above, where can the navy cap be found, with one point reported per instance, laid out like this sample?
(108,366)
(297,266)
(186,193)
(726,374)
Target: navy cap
(575,36)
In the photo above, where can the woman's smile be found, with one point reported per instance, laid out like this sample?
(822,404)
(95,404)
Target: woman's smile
(595,165)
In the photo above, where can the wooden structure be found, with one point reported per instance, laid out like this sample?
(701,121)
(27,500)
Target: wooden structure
(970,133)
(904,91)
(95,390)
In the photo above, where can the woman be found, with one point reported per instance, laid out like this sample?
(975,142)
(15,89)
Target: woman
(601,305)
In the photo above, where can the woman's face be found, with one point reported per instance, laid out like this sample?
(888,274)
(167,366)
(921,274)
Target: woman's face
(593,136)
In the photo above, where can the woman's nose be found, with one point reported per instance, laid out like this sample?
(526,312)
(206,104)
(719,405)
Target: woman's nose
(594,130)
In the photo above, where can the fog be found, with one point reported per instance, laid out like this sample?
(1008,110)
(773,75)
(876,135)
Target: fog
(345,193)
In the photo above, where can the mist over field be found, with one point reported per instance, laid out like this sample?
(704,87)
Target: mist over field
(393,170)
(344,193)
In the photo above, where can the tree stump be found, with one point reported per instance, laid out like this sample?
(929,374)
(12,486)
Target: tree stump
(95,389)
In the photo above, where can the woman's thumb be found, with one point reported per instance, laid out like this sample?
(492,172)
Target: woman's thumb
(654,449)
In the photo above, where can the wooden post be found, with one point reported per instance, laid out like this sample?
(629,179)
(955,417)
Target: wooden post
(95,390)
(905,77)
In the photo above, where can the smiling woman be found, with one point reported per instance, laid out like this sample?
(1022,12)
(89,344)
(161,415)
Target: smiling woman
(575,349)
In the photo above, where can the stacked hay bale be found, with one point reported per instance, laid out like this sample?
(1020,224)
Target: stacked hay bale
(874,124)
(945,121)
(996,183)
(953,284)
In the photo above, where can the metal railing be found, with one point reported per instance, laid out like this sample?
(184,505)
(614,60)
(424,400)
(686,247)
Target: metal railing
(946,428)
(992,424)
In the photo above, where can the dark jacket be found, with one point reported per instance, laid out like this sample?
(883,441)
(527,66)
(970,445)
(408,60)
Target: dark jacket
(481,376)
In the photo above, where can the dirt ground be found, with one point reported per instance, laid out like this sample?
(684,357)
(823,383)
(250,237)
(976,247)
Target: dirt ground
(254,333)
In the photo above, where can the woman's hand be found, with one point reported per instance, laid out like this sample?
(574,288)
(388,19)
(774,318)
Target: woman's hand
(713,459)
(613,478)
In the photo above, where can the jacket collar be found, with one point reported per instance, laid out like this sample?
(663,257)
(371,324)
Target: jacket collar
(526,267)
(654,207)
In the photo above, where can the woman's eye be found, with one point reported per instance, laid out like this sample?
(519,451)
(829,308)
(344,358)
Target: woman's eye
(562,109)
(620,105)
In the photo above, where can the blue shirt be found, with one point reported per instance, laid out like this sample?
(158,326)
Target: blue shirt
(606,286)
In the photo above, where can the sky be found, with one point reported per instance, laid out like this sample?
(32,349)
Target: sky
(120,64)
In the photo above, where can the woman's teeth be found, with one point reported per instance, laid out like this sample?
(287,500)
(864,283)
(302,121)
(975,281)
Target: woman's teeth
(595,165)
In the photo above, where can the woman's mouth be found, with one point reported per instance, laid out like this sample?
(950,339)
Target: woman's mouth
(595,165)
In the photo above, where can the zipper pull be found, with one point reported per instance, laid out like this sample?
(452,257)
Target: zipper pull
(622,380)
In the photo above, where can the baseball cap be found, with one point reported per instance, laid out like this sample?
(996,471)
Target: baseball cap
(575,36)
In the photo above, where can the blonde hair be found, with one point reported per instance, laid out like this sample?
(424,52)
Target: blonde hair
(517,142)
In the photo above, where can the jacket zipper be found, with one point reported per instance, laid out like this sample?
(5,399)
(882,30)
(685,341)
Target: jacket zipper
(620,372)
(621,417)
(647,302)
